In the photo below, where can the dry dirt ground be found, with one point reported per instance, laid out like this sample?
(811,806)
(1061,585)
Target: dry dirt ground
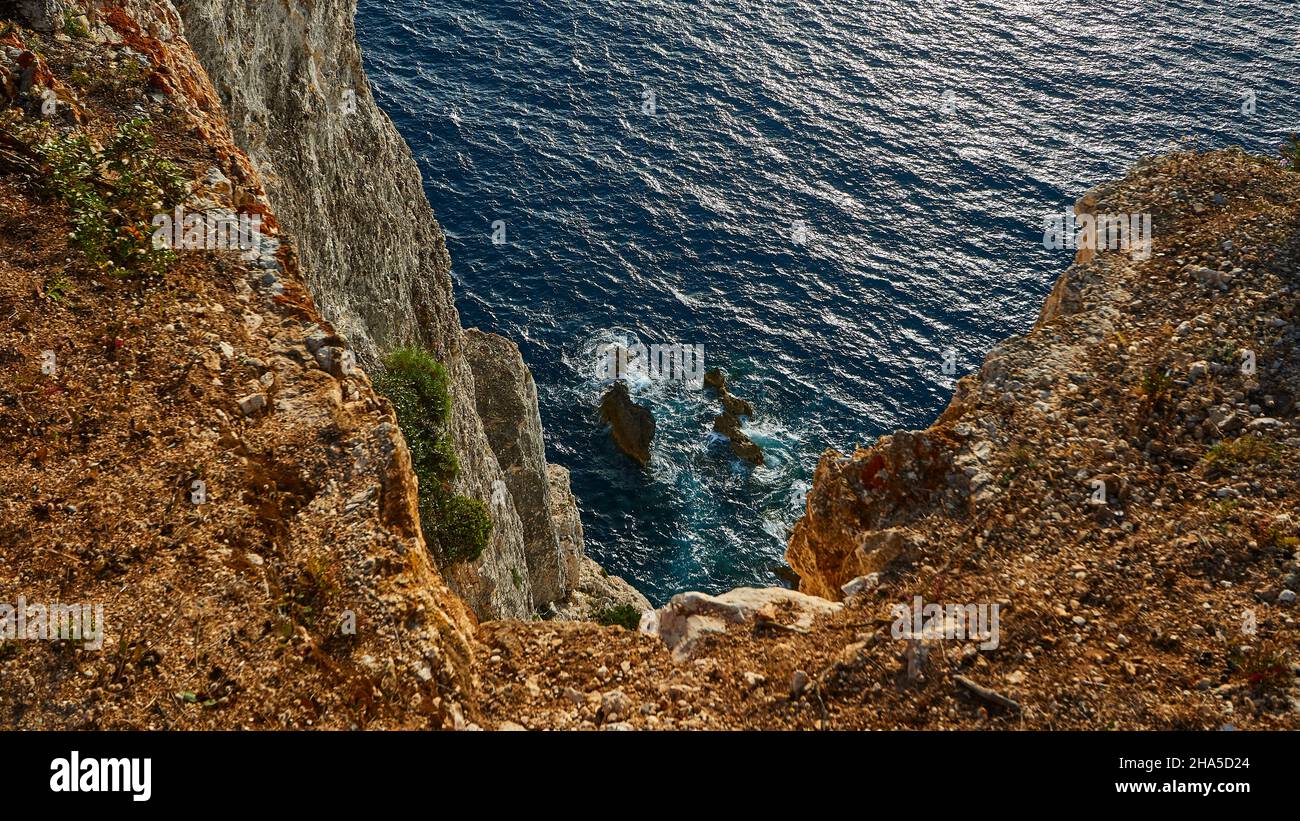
(224,610)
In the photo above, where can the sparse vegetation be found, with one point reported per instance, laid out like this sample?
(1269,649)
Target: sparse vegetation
(57,287)
(1022,456)
(456,527)
(1156,385)
(113,193)
(310,590)
(1291,152)
(623,615)
(1267,668)
(1243,451)
(1221,351)
(72,26)
(123,79)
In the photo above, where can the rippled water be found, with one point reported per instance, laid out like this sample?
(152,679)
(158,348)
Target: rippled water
(922,144)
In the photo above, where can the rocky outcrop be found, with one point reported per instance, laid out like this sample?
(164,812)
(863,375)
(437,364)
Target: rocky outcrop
(728,424)
(715,379)
(41,15)
(857,500)
(689,618)
(632,426)
(597,591)
(344,182)
(506,398)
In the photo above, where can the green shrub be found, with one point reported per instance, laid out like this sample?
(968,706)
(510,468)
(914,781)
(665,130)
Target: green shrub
(623,615)
(72,26)
(418,378)
(461,527)
(113,194)
(416,384)
(57,287)
(455,527)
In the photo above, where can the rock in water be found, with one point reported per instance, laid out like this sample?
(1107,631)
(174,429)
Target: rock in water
(728,424)
(735,405)
(631,425)
(714,379)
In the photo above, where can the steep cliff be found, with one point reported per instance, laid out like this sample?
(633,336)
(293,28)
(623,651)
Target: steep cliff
(342,181)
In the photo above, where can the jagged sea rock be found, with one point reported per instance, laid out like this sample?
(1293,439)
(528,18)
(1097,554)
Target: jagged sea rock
(786,574)
(717,381)
(727,423)
(632,426)
(735,406)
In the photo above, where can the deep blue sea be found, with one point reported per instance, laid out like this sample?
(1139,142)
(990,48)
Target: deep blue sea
(920,142)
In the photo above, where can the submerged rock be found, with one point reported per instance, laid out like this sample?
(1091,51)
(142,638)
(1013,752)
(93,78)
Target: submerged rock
(727,423)
(632,426)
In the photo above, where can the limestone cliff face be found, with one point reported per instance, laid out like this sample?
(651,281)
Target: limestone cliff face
(505,394)
(343,181)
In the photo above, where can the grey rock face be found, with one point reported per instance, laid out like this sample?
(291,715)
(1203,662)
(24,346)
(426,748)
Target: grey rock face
(506,398)
(41,15)
(568,525)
